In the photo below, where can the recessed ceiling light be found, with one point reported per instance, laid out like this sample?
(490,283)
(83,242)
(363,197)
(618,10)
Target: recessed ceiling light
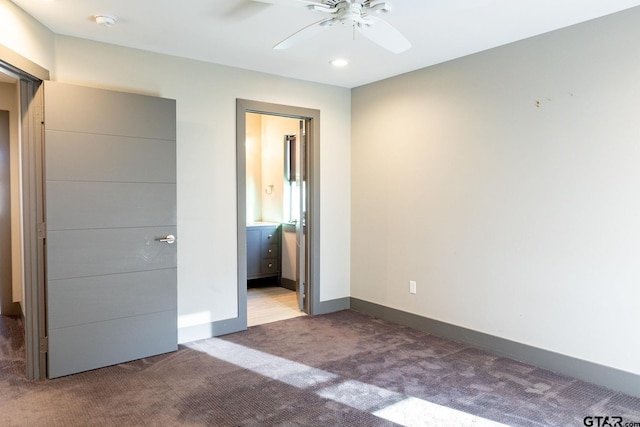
(339,62)
(105,20)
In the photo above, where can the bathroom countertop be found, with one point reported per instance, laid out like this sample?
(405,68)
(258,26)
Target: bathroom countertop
(263,224)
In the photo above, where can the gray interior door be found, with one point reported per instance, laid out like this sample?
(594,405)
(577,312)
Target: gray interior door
(110,176)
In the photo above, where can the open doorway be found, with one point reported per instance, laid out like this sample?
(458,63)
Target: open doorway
(278,207)
(10,212)
(275,205)
(27,242)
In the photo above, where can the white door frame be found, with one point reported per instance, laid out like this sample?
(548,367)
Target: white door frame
(312,117)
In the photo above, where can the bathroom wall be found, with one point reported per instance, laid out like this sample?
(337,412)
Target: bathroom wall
(253,146)
(267,190)
(274,129)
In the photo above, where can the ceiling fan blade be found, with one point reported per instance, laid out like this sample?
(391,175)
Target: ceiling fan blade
(381,32)
(298,3)
(305,33)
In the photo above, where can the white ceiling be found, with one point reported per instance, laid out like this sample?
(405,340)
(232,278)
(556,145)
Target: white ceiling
(241,33)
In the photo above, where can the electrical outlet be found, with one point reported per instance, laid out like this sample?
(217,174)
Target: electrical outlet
(412,286)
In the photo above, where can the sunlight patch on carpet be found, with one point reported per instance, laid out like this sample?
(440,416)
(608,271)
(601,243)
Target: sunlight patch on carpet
(398,408)
(274,367)
(360,395)
(414,412)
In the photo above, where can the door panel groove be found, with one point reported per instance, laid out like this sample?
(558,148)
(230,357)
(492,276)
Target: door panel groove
(114,182)
(112,228)
(107,134)
(52,281)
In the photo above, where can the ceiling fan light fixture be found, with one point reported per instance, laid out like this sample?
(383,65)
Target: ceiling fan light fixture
(105,20)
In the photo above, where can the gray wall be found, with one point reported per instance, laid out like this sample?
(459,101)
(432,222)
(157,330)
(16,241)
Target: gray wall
(507,185)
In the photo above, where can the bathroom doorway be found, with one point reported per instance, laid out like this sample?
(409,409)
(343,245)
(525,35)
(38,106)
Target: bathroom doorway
(277,211)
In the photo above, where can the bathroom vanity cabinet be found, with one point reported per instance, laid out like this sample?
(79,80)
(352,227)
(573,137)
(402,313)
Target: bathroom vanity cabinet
(263,250)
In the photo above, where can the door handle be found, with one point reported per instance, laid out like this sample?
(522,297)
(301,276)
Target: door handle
(169,239)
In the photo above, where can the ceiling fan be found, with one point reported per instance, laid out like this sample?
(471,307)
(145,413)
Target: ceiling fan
(358,13)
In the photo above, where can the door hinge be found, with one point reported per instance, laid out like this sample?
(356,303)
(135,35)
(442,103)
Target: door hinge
(42,230)
(44,344)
